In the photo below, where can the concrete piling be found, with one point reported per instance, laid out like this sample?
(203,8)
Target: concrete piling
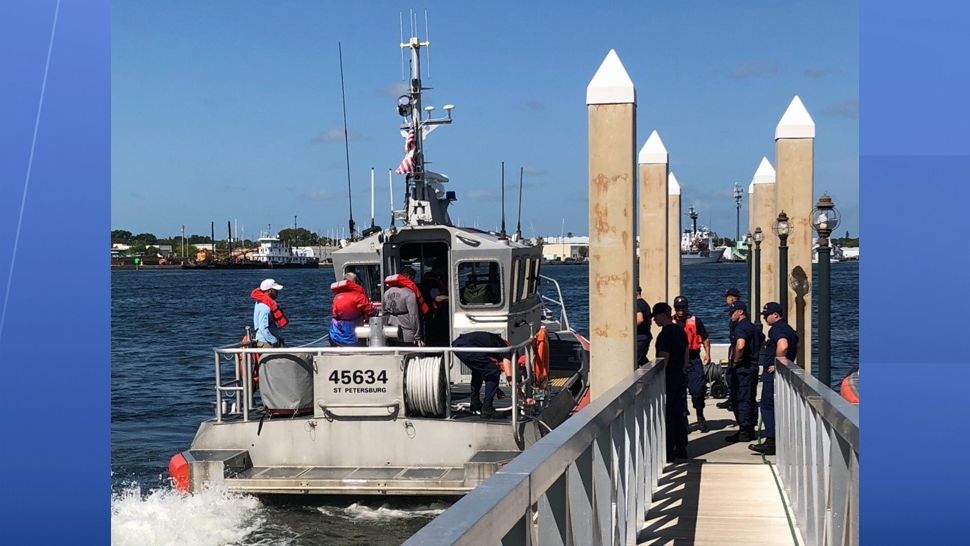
(764,210)
(674,216)
(794,155)
(653,220)
(611,107)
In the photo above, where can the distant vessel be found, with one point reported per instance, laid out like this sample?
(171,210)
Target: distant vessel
(695,244)
(835,255)
(271,254)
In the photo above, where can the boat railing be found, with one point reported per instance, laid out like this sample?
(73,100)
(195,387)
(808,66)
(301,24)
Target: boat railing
(818,456)
(589,481)
(240,386)
(558,302)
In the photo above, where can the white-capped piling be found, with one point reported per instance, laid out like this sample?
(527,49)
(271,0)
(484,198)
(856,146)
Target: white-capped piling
(794,156)
(674,231)
(611,107)
(653,220)
(764,210)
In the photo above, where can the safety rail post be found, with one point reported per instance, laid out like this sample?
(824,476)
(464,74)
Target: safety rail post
(818,456)
(218,390)
(589,481)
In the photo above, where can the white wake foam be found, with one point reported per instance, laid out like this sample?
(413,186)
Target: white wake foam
(383,512)
(166,517)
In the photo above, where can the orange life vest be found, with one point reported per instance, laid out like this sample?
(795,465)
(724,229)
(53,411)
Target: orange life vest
(693,338)
(349,301)
(274,309)
(404,282)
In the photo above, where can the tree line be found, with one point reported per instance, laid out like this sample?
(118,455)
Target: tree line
(147,243)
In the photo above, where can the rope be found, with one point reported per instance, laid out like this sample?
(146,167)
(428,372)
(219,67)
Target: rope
(424,386)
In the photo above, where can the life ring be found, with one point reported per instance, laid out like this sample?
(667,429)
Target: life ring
(849,388)
(241,359)
(540,363)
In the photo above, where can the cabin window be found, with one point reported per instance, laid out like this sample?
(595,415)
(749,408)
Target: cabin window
(534,276)
(480,283)
(369,276)
(522,277)
(516,282)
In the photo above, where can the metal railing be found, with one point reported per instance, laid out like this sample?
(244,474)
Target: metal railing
(589,481)
(818,456)
(241,384)
(558,302)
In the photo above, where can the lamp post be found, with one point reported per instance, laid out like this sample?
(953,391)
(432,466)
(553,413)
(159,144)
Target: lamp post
(825,218)
(782,229)
(758,237)
(748,242)
(738,193)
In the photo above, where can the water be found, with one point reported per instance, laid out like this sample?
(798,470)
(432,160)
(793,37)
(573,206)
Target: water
(164,324)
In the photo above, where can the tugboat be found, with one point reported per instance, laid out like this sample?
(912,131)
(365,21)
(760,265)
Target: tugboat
(695,244)
(383,419)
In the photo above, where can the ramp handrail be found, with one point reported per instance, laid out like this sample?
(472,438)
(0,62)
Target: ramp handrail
(589,481)
(818,456)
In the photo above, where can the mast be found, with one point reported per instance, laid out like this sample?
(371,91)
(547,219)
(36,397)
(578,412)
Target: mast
(410,107)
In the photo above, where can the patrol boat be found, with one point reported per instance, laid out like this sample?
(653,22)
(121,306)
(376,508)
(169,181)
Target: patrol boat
(382,419)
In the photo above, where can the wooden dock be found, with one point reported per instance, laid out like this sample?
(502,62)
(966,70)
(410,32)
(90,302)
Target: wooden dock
(725,494)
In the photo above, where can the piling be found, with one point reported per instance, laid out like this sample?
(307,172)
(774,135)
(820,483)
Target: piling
(611,107)
(764,210)
(654,168)
(673,239)
(794,154)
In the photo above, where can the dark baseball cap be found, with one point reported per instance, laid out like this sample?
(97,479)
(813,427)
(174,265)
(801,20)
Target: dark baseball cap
(733,292)
(680,302)
(772,307)
(660,308)
(736,306)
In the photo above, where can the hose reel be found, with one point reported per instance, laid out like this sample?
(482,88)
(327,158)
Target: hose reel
(426,386)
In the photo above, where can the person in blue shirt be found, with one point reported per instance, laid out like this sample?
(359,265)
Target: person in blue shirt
(745,339)
(782,343)
(268,317)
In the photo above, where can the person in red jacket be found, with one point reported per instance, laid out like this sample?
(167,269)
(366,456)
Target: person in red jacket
(350,308)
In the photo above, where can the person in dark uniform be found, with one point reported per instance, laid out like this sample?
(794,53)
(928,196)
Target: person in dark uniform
(732,295)
(744,378)
(672,347)
(696,339)
(782,343)
(643,329)
(485,368)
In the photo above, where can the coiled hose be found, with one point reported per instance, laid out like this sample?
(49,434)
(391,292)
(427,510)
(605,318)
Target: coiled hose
(425,386)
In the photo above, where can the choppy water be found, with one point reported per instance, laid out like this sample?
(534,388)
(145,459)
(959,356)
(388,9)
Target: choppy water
(164,324)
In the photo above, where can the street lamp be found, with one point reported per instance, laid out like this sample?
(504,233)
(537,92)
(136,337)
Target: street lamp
(782,229)
(748,241)
(738,193)
(825,218)
(758,237)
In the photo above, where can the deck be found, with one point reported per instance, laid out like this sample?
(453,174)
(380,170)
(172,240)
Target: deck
(724,494)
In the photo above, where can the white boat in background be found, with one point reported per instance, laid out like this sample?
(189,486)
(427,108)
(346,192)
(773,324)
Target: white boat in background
(835,257)
(696,244)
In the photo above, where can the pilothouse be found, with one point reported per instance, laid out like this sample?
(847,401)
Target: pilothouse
(382,417)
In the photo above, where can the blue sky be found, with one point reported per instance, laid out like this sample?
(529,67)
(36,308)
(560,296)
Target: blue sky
(231,110)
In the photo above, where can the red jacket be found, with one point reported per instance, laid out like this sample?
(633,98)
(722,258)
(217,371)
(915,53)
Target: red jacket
(350,302)
(274,308)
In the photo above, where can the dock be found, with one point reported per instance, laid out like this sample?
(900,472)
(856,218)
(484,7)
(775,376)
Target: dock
(602,477)
(724,494)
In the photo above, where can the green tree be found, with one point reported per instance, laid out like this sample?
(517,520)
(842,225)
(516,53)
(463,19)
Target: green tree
(145,239)
(298,237)
(120,236)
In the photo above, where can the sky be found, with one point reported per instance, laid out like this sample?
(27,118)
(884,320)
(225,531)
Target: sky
(231,111)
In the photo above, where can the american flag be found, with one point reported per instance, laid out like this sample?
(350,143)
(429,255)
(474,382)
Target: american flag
(407,164)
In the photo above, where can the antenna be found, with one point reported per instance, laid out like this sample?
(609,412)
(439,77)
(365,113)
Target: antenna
(501,234)
(401,20)
(372,197)
(390,193)
(518,222)
(343,100)
(427,38)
